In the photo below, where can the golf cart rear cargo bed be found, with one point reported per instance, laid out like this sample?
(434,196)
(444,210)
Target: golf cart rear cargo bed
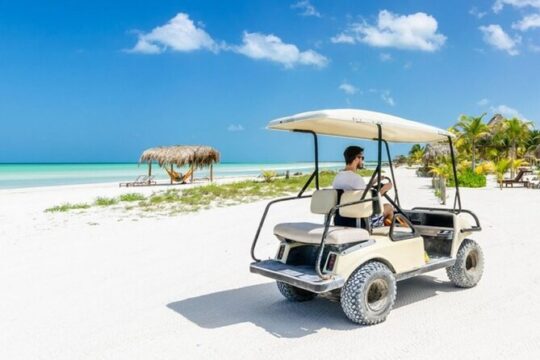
(303,277)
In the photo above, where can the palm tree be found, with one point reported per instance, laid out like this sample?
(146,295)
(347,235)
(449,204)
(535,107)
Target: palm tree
(416,153)
(501,167)
(472,129)
(533,141)
(517,132)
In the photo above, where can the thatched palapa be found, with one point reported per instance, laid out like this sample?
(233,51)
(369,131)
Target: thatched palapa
(196,156)
(434,151)
(179,155)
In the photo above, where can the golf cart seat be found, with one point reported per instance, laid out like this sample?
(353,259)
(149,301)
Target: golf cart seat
(321,203)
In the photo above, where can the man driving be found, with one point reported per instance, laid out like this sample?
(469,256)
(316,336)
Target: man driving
(348,179)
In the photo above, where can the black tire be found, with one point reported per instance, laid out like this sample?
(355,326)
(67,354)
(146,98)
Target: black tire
(369,294)
(469,266)
(293,293)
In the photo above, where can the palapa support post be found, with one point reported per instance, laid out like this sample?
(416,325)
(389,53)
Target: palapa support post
(192,171)
(171,173)
(150,168)
(211,172)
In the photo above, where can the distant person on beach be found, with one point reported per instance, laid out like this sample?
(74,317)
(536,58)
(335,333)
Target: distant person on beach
(348,179)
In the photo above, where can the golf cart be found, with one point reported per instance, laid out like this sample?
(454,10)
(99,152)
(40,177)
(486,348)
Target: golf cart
(362,264)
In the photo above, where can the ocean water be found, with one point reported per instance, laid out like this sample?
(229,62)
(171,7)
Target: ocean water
(32,175)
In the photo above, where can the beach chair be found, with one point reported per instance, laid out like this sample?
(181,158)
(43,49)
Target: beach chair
(147,180)
(137,181)
(518,179)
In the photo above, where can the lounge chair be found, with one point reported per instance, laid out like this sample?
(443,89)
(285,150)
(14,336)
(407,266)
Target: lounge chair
(518,179)
(140,181)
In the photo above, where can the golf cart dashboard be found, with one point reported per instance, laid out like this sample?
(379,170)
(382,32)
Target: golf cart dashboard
(433,224)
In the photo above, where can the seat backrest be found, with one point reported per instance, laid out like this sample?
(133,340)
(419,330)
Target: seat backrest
(362,210)
(322,201)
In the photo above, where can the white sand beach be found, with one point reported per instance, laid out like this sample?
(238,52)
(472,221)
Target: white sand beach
(109,284)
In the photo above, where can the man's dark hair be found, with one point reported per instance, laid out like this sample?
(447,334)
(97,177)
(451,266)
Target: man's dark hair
(351,153)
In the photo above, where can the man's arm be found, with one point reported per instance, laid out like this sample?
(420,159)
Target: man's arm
(386,187)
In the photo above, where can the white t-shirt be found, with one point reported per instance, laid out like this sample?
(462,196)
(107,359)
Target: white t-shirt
(348,180)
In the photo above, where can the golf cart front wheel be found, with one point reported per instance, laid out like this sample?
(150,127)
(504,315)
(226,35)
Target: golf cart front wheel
(293,293)
(369,294)
(469,266)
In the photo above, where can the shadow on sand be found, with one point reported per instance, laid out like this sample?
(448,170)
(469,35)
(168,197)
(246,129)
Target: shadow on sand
(263,306)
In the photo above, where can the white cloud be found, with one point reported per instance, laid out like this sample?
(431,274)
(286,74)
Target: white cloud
(270,47)
(342,39)
(385,57)
(235,128)
(412,32)
(179,34)
(483,102)
(496,37)
(499,4)
(306,7)
(348,88)
(528,22)
(477,13)
(387,98)
(507,112)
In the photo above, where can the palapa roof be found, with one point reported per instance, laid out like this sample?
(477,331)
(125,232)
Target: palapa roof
(363,124)
(435,150)
(496,120)
(179,155)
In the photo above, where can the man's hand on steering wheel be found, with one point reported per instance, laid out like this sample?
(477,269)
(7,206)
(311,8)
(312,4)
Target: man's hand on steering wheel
(384,181)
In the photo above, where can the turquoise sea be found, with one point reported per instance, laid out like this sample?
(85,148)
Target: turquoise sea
(32,175)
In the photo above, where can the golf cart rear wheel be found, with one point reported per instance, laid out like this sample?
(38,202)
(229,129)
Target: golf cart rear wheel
(469,266)
(293,293)
(369,294)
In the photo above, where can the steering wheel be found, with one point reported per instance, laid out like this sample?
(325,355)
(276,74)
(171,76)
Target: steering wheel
(384,181)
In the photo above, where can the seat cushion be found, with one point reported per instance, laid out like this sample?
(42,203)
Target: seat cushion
(311,233)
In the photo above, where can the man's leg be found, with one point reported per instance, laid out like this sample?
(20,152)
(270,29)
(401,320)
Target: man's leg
(388,213)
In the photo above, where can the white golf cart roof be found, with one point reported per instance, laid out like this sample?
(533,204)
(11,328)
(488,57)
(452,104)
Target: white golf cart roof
(361,124)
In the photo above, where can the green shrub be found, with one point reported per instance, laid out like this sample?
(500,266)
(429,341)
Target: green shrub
(268,175)
(103,201)
(468,178)
(132,197)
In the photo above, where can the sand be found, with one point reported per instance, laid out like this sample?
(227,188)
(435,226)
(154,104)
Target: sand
(106,284)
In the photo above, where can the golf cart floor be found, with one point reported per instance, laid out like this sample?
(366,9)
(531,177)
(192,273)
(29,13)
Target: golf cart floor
(304,277)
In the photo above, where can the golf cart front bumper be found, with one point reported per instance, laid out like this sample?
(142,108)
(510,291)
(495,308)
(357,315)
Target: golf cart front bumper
(304,277)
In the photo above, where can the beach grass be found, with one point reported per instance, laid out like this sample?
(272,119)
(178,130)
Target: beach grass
(67,206)
(105,201)
(131,197)
(202,197)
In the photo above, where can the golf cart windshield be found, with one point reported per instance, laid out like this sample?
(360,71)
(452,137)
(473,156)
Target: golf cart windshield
(362,124)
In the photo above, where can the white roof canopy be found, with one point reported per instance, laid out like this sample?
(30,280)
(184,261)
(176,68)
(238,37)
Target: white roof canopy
(361,124)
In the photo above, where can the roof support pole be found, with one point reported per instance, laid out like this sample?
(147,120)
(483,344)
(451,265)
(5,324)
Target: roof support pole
(316,172)
(379,157)
(150,168)
(396,197)
(457,198)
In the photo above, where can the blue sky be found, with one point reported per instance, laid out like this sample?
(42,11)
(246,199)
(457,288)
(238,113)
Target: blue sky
(103,80)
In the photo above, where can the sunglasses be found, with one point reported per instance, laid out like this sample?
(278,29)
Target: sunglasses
(360,157)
